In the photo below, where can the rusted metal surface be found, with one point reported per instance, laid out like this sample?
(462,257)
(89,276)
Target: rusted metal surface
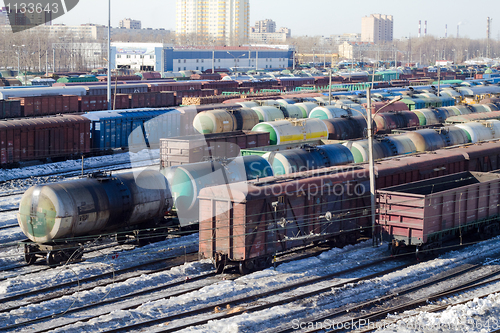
(435,210)
(196,148)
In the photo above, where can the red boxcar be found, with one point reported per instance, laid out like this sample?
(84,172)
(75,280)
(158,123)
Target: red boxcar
(398,106)
(93,103)
(247,223)
(40,138)
(426,213)
(10,108)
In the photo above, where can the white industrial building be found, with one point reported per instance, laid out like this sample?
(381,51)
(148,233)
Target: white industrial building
(167,58)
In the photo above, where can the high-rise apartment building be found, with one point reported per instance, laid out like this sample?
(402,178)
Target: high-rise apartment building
(265,26)
(205,21)
(130,24)
(377,28)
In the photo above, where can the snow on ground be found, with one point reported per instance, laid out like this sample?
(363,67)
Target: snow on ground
(142,158)
(349,293)
(334,260)
(328,262)
(9,202)
(10,235)
(99,265)
(132,285)
(478,315)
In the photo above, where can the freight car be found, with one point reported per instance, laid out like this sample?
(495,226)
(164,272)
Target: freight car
(244,116)
(422,215)
(29,139)
(251,223)
(70,136)
(198,148)
(139,128)
(45,91)
(59,218)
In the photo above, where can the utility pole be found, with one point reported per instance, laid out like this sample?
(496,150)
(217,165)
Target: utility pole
(109,55)
(330,88)
(488,29)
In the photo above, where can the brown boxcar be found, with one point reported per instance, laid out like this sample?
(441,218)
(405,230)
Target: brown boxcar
(10,108)
(92,103)
(398,106)
(196,148)
(249,223)
(241,223)
(41,138)
(168,98)
(423,214)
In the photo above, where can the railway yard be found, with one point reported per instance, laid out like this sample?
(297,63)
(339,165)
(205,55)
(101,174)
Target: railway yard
(210,205)
(308,285)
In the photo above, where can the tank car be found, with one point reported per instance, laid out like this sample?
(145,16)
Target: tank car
(59,218)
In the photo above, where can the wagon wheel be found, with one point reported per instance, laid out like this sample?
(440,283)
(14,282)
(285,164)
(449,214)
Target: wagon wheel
(395,250)
(246,267)
(78,254)
(419,255)
(142,238)
(219,266)
(120,238)
(51,259)
(29,256)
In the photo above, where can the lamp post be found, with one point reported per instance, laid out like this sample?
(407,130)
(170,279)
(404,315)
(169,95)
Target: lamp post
(19,61)
(18,58)
(235,59)
(371,163)
(109,56)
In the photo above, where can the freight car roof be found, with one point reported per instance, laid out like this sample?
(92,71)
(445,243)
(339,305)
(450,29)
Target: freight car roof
(12,123)
(444,183)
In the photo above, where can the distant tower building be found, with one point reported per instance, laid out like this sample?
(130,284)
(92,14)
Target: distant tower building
(265,26)
(377,28)
(226,21)
(34,19)
(130,24)
(4,19)
(286,31)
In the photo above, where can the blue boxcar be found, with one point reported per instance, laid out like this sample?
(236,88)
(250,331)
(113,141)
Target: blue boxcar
(139,128)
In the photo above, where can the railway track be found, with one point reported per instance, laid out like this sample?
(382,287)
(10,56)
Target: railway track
(15,301)
(90,247)
(8,226)
(490,279)
(43,266)
(177,321)
(69,174)
(380,307)
(236,306)
(11,305)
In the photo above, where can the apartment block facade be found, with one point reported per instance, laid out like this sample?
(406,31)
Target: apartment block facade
(207,21)
(377,28)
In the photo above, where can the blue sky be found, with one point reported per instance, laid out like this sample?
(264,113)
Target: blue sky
(315,17)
